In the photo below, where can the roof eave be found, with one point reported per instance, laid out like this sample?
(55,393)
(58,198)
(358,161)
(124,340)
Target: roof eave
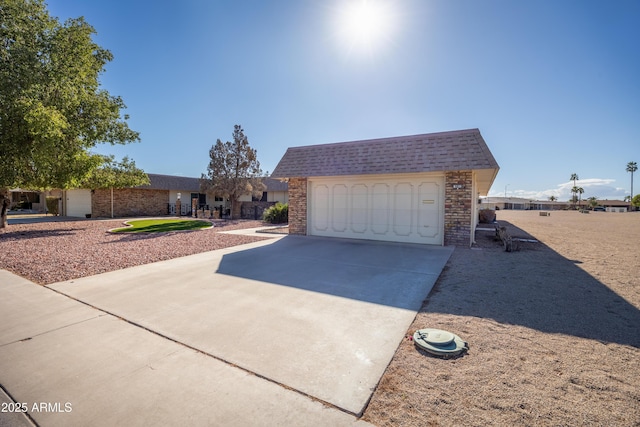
(485,179)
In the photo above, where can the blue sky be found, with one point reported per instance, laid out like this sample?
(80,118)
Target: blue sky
(553,85)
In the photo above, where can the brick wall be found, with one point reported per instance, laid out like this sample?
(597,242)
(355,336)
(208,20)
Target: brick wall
(298,206)
(458,208)
(129,202)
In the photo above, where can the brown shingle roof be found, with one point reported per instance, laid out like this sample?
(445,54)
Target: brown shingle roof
(184,183)
(275,184)
(443,151)
(172,182)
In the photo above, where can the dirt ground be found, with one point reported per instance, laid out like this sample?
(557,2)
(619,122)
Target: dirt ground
(553,330)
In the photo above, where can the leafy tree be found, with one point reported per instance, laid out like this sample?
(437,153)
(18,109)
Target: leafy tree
(632,167)
(636,200)
(52,109)
(112,174)
(233,170)
(593,201)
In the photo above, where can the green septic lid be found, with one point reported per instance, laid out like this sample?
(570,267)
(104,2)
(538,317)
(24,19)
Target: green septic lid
(440,343)
(436,336)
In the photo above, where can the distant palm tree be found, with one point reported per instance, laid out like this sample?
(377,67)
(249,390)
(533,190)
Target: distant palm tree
(553,198)
(631,167)
(593,201)
(574,178)
(580,191)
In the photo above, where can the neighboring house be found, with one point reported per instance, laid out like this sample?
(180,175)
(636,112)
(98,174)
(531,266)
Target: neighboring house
(517,203)
(277,191)
(27,200)
(155,199)
(417,189)
(252,207)
(614,205)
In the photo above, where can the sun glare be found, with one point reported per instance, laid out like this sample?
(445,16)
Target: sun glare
(365,26)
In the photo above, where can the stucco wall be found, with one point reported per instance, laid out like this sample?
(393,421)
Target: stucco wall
(278,196)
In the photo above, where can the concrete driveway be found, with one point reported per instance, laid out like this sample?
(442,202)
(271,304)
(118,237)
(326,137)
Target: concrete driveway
(291,330)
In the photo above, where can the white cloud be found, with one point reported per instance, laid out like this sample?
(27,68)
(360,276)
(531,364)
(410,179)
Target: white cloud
(603,189)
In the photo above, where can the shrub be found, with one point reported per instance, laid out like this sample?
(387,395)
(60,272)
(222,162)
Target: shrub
(276,214)
(487,216)
(52,205)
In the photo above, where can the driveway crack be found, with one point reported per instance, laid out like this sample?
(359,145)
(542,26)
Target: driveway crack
(51,330)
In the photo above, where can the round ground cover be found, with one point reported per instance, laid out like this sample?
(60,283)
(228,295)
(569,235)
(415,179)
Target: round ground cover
(162,226)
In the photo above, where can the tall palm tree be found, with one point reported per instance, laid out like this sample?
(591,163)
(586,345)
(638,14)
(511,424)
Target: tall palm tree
(631,167)
(574,178)
(579,191)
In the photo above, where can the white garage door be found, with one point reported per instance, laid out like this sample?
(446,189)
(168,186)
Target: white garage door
(386,207)
(78,203)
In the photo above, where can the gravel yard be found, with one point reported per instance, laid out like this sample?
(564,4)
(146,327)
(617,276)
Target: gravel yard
(49,252)
(553,330)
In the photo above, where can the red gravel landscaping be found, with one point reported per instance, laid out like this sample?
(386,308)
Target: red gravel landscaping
(49,252)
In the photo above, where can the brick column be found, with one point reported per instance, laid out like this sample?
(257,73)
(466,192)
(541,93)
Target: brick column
(298,206)
(458,208)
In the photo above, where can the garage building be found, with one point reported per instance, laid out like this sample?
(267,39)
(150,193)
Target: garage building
(415,189)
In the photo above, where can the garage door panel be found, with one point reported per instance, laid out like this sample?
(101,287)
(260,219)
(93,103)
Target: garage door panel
(403,209)
(359,208)
(320,220)
(339,211)
(380,205)
(389,208)
(428,219)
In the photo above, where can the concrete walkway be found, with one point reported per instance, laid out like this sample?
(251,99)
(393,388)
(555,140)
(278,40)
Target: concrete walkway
(286,331)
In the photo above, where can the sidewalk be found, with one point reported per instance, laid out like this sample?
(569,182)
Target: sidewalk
(77,366)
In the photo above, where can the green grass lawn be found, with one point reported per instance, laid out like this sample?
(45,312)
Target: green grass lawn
(162,225)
